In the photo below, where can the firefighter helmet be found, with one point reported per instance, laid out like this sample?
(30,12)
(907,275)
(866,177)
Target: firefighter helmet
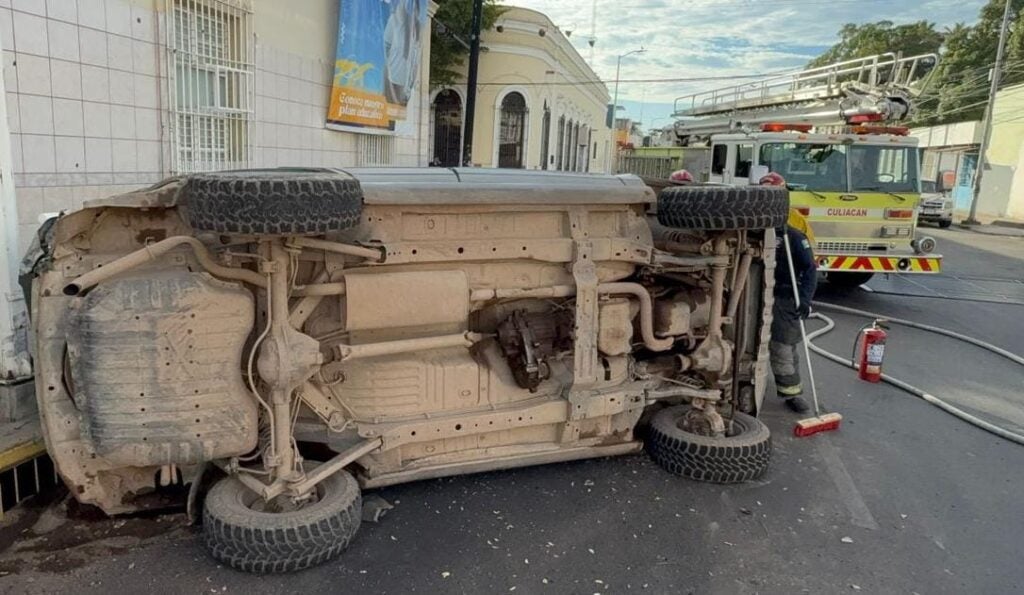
(681,176)
(772,179)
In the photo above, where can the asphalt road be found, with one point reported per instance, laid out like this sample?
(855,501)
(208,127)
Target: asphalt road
(903,499)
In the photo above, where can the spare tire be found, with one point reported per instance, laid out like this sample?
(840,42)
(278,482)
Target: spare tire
(273,201)
(742,455)
(716,208)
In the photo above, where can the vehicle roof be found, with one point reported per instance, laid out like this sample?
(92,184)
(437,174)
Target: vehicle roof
(820,138)
(437,185)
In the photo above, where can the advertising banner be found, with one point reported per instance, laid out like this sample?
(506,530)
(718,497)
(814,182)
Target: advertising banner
(377,63)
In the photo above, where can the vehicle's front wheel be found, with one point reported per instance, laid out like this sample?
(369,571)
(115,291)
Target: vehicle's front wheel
(945,224)
(741,455)
(848,280)
(246,533)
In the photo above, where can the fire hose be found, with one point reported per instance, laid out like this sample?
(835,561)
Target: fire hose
(900,384)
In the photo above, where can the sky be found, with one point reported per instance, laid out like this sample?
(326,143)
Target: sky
(714,38)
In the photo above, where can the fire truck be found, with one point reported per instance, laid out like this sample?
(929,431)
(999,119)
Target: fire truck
(833,133)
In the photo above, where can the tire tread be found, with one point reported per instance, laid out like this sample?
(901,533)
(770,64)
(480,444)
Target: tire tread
(716,208)
(734,459)
(270,202)
(245,540)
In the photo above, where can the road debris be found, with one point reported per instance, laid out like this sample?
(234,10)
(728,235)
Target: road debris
(374,508)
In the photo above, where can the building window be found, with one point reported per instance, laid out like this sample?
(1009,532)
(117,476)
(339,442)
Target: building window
(576,147)
(375,149)
(211,82)
(590,136)
(512,132)
(447,129)
(560,139)
(567,164)
(545,137)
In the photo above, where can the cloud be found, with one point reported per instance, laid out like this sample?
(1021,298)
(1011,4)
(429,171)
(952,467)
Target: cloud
(715,38)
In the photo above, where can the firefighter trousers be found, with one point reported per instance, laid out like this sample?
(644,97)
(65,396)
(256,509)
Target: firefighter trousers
(785,339)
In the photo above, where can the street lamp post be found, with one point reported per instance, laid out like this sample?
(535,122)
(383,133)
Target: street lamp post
(615,102)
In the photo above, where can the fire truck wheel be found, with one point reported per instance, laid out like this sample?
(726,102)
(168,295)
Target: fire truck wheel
(742,455)
(273,202)
(848,280)
(722,208)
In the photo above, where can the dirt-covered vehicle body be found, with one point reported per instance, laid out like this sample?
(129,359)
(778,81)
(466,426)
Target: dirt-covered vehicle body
(416,323)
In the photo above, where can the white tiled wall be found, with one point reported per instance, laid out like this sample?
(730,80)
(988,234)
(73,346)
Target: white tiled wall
(86,90)
(292,95)
(83,92)
(291,105)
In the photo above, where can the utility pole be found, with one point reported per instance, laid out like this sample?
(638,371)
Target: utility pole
(986,138)
(610,160)
(471,78)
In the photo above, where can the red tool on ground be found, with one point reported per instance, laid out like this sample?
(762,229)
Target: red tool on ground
(818,423)
(872,351)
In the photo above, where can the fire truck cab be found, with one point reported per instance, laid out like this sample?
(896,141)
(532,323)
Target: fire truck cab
(859,191)
(829,132)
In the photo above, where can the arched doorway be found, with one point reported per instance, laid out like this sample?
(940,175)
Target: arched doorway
(512,131)
(447,129)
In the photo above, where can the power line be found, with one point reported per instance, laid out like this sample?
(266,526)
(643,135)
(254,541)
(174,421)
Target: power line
(650,80)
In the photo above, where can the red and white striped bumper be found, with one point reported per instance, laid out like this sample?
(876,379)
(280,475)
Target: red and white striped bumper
(930,264)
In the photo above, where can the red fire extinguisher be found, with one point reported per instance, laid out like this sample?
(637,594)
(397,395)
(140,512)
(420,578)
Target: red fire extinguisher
(872,351)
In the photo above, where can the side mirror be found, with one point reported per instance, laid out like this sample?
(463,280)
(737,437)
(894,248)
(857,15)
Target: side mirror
(757,172)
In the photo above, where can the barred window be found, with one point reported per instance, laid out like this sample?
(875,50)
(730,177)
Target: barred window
(512,132)
(211,52)
(375,149)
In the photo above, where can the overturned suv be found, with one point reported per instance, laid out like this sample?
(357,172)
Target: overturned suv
(290,337)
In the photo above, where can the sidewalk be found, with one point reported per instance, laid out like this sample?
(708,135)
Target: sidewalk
(998,228)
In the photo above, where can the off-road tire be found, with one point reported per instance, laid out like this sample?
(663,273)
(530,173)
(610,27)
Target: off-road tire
(741,457)
(716,208)
(275,542)
(279,202)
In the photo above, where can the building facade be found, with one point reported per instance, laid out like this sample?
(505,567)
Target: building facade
(104,96)
(1002,186)
(949,157)
(108,95)
(538,106)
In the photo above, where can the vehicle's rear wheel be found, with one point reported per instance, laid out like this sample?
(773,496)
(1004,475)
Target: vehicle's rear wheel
(273,202)
(742,455)
(848,280)
(716,208)
(244,532)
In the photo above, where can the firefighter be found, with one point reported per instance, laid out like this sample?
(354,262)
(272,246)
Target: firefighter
(785,335)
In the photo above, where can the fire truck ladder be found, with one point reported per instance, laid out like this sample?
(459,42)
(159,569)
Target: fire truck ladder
(876,88)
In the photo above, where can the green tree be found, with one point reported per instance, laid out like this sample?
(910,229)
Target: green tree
(451,28)
(961,84)
(869,39)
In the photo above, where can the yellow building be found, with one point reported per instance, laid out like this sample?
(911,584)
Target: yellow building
(539,105)
(1002,187)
